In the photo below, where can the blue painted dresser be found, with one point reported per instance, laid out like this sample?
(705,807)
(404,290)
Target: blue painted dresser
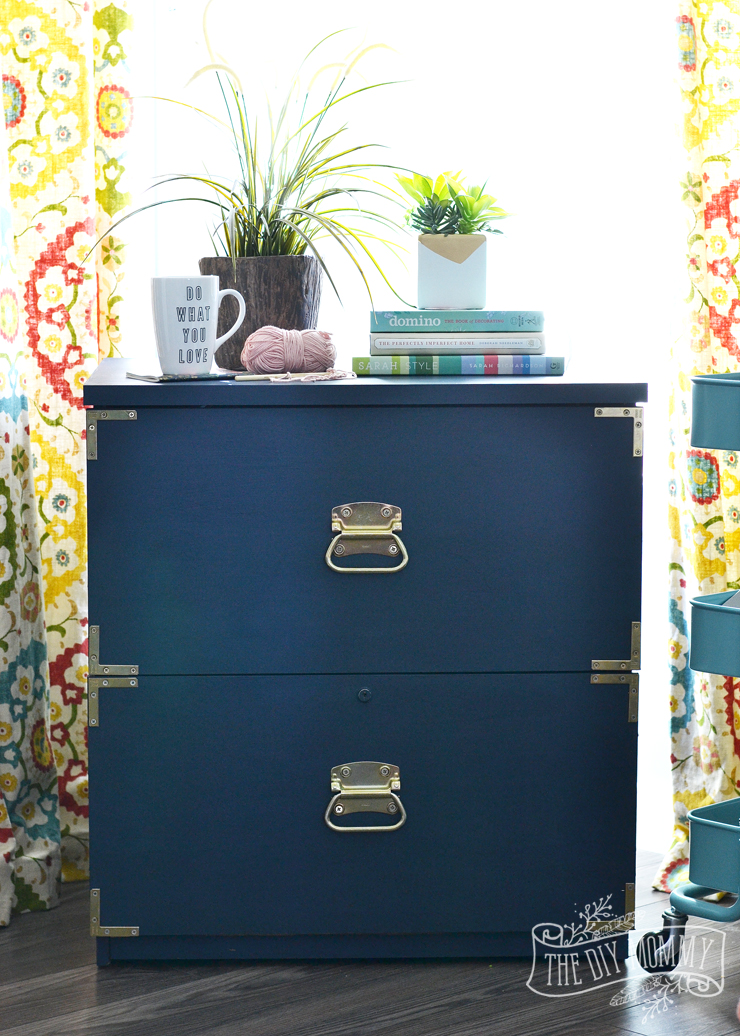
(237,679)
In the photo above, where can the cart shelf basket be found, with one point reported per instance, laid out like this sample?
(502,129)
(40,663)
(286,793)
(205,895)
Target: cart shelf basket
(715,846)
(715,635)
(715,412)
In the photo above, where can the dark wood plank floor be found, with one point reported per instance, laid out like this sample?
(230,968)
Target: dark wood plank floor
(50,986)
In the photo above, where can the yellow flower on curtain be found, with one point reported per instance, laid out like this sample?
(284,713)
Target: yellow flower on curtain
(68,114)
(704,487)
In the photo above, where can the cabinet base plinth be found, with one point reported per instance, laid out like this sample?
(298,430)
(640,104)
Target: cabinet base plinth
(323,947)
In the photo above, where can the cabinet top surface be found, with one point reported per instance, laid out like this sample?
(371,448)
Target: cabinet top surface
(109,386)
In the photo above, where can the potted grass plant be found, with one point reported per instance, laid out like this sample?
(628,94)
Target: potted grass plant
(451,219)
(296,186)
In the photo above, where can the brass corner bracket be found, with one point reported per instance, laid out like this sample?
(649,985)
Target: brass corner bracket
(98,929)
(627,664)
(91,426)
(631,680)
(638,422)
(94,684)
(96,668)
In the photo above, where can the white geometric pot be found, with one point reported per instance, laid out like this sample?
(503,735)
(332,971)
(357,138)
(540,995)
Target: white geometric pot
(452,271)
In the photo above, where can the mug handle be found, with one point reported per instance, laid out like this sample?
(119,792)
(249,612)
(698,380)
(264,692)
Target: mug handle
(239,319)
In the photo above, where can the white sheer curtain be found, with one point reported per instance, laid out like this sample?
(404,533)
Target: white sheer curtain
(567,110)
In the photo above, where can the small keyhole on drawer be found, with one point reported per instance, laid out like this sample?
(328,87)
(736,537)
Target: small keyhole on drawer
(365,694)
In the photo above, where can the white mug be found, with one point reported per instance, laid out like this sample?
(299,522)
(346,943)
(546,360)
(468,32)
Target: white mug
(185,322)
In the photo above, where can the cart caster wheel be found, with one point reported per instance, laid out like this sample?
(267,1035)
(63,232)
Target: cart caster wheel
(658,953)
(652,956)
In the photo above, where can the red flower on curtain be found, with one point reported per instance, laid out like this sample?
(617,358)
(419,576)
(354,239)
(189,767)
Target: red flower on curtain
(74,274)
(52,302)
(718,207)
(63,674)
(73,788)
(59,733)
(726,328)
(722,268)
(724,318)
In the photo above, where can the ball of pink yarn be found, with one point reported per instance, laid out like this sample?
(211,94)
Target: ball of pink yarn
(272,350)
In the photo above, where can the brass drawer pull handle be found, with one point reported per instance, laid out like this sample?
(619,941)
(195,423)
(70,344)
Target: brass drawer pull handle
(366,528)
(365,787)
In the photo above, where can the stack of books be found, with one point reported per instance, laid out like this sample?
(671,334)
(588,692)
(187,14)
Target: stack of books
(468,341)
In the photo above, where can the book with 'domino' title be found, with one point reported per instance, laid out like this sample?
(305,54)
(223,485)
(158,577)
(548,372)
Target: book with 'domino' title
(446,321)
(494,365)
(476,343)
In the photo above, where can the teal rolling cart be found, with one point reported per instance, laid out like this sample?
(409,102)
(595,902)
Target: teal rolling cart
(715,648)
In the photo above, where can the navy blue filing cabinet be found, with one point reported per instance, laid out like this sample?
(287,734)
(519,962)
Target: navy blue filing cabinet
(472,709)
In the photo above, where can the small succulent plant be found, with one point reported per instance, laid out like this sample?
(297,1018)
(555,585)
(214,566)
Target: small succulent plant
(434,216)
(446,206)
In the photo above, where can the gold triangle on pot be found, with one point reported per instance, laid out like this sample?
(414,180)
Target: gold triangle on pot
(455,247)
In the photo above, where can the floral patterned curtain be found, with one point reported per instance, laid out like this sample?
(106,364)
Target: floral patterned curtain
(29,815)
(705,485)
(67,116)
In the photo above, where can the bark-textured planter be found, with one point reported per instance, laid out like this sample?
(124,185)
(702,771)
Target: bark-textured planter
(282,290)
(452,271)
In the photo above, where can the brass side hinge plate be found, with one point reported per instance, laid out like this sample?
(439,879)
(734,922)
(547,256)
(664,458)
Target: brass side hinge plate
(624,664)
(96,668)
(91,426)
(629,902)
(625,923)
(96,926)
(94,683)
(631,680)
(638,421)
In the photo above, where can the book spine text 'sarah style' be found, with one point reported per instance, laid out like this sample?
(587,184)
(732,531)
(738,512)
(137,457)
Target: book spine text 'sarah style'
(382,366)
(476,342)
(452,320)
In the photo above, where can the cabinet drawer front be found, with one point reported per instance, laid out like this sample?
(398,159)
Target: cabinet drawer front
(519,793)
(208,530)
